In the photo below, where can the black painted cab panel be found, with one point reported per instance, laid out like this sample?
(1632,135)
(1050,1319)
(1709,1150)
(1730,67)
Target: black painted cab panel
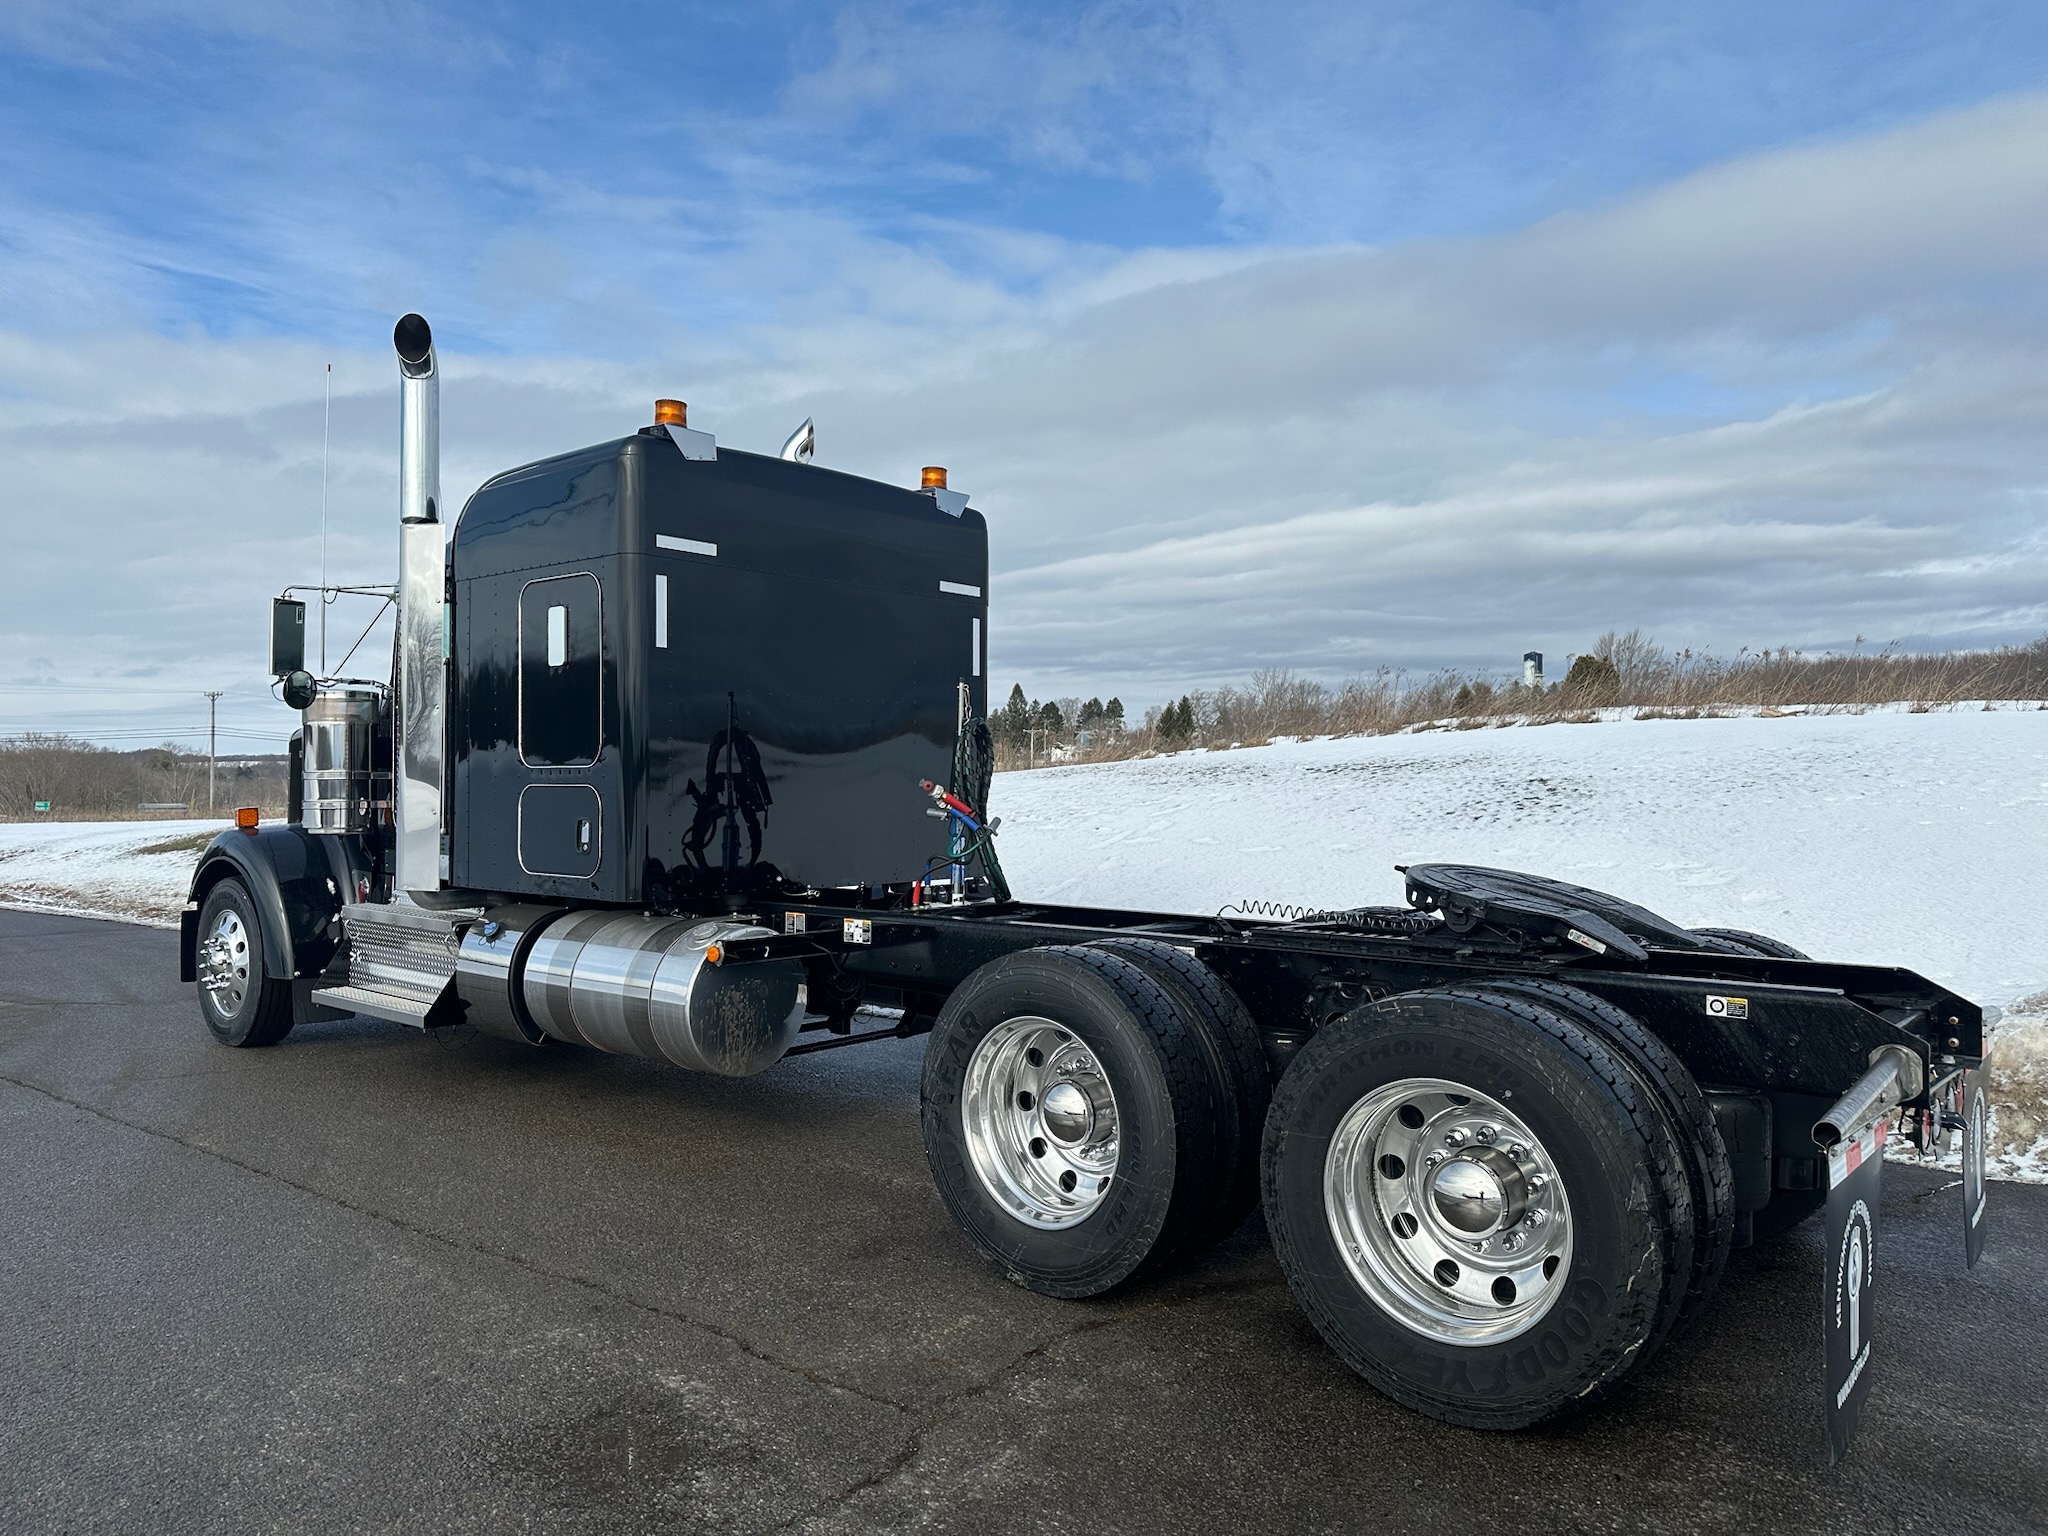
(675,679)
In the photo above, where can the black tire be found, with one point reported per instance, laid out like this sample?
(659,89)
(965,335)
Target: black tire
(1237,1058)
(1740,941)
(1690,1117)
(1630,1209)
(251,1009)
(1169,1109)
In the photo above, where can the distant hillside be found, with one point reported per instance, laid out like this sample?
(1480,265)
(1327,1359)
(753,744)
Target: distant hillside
(81,781)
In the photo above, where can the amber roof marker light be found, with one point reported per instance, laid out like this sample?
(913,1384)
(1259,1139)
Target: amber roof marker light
(671,413)
(932,483)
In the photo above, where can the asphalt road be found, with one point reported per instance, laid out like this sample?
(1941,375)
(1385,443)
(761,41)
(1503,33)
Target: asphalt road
(372,1280)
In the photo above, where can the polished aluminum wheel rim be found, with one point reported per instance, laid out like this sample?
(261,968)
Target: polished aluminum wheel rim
(1041,1122)
(224,964)
(1449,1213)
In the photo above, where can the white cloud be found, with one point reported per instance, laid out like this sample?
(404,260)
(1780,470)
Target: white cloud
(1786,400)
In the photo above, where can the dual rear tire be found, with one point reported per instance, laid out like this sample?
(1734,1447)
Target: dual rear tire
(1092,1112)
(1493,1201)
(1480,1203)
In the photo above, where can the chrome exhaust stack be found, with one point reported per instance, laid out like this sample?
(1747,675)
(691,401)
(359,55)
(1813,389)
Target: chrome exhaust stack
(420,680)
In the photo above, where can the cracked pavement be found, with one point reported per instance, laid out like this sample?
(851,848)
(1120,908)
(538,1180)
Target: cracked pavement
(375,1280)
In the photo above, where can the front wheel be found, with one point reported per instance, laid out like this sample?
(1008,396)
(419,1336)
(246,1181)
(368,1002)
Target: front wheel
(241,1005)
(1469,1197)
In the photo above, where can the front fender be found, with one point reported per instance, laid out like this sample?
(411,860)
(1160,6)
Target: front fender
(298,883)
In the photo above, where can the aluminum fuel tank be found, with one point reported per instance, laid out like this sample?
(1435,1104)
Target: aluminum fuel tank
(487,969)
(639,984)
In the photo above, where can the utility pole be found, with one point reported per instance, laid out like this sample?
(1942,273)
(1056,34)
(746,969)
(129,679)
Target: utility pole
(212,703)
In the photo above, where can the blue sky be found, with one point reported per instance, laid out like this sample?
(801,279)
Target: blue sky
(1560,317)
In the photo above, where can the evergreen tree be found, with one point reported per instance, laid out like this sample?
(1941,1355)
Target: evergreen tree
(1013,720)
(1177,722)
(1592,680)
(1113,714)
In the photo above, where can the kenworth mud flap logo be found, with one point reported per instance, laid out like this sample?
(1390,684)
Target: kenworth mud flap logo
(1854,1171)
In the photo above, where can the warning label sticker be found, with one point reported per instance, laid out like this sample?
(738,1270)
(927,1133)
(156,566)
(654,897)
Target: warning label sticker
(1727,1007)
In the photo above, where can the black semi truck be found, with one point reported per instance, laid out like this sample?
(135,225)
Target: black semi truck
(684,754)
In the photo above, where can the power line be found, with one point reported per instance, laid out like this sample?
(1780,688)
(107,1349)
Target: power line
(34,686)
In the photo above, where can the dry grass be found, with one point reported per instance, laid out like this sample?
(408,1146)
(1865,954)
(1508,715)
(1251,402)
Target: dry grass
(90,783)
(191,843)
(2019,1079)
(1635,672)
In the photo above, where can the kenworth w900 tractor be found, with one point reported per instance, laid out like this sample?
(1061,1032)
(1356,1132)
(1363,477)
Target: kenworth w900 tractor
(684,754)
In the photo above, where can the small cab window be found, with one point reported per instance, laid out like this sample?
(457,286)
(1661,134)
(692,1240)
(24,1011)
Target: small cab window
(561,671)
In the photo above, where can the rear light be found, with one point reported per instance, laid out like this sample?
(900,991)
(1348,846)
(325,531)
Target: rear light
(247,817)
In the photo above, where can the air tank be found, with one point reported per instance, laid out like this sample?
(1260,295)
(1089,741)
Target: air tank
(632,983)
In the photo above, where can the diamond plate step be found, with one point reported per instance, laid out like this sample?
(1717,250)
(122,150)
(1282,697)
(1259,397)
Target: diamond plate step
(401,962)
(397,1007)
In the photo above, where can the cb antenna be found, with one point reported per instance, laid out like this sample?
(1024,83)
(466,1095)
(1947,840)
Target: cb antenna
(326,434)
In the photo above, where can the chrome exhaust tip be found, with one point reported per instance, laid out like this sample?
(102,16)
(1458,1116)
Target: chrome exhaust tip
(414,339)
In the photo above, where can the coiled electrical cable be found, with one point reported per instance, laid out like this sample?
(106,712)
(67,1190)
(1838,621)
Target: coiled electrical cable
(1396,922)
(974,772)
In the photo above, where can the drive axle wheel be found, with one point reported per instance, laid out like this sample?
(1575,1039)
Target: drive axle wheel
(1694,1135)
(1230,1043)
(240,1004)
(1448,1211)
(1070,1119)
(1041,1122)
(1474,1202)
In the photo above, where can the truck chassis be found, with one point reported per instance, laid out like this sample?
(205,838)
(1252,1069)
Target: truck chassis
(1504,1137)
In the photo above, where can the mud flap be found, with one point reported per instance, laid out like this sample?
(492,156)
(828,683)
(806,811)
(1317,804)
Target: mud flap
(1976,1115)
(1855,1169)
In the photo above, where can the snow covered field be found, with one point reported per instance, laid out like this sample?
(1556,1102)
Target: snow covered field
(1890,837)
(102,868)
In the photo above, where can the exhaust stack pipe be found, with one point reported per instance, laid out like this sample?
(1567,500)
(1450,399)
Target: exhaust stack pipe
(1894,1077)
(420,680)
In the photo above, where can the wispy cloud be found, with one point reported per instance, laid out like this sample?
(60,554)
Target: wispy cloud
(1374,336)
